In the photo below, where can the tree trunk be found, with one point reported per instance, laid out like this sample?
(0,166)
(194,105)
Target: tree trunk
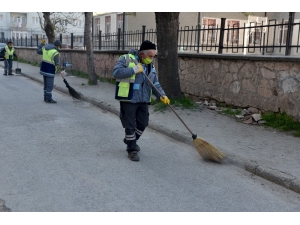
(49,28)
(89,47)
(167,24)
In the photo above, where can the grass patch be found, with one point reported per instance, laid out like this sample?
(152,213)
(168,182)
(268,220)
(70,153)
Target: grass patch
(231,112)
(86,76)
(282,121)
(107,80)
(183,103)
(78,74)
(29,62)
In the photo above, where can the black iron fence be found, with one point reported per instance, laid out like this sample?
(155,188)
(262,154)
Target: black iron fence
(272,38)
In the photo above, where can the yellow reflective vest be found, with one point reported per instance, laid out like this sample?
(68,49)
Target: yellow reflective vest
(124,87)
(9,53)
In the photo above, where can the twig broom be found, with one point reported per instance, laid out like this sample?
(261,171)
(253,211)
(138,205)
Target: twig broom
(206,150)
(72,91)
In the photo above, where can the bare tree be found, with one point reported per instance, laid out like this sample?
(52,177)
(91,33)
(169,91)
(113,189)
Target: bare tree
(167,25)
(56,22)
(89,47)
(48,27)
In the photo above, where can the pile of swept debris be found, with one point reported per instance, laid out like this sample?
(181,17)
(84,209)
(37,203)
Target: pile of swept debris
(248,116)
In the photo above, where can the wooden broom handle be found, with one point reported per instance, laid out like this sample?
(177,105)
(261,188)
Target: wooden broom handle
(167,104)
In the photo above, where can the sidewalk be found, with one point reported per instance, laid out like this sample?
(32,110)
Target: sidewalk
(265,152)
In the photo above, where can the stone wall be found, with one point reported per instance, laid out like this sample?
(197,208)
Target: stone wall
(268,83)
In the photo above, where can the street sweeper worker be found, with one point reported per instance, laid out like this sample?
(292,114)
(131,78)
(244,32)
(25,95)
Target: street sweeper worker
(9,54)
(49,66)
(133,90)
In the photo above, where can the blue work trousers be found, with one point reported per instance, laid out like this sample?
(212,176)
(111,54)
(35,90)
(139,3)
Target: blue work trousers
(48,87)
(134,118)
(8,65)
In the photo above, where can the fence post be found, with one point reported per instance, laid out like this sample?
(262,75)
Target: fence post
(37,41)
(221,36)
(100,39)
(26,41)
(30,41)
(198,39)
(123,33)
(119,38)
(143,33)
(60,38)
(72,40)
(289,33)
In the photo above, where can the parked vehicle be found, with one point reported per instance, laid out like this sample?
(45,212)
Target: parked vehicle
(2,45)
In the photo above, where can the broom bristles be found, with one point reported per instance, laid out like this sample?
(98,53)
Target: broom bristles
(207,151)
(74,93)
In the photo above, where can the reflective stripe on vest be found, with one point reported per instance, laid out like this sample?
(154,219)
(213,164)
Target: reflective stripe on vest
(9,53)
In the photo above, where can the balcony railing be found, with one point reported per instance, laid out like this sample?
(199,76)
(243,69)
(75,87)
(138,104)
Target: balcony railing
(18,25)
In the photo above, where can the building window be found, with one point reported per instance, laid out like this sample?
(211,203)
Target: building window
(210,31)
(1,17)
(38,36)
(107,27)
(97,25)
(17,21)
(65,38)
(233,31)
(79,39)
(282,33)
(64,22)
(77,23)
(18,35)
(120,22)
(255,34)
(35,20)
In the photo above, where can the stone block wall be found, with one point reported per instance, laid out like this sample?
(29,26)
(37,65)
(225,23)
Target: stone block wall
(268,83)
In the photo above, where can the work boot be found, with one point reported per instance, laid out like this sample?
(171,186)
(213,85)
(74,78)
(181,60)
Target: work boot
(137,147)
(5,74)
(10,72)
(133,156)
(50,101)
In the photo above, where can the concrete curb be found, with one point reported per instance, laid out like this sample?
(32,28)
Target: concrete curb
(267,173)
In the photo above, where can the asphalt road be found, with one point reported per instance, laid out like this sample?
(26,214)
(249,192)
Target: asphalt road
(69,157)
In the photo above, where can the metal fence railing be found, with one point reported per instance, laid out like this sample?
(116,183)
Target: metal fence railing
(273,38)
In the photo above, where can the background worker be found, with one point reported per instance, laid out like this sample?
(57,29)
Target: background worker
(133,91)
(49,66)
(9,54)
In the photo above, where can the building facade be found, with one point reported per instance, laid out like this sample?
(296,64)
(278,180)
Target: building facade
(27,24)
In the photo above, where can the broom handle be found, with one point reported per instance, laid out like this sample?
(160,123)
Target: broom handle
(167,104)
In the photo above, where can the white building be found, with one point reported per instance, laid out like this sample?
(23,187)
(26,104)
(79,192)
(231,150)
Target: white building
(27,24)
